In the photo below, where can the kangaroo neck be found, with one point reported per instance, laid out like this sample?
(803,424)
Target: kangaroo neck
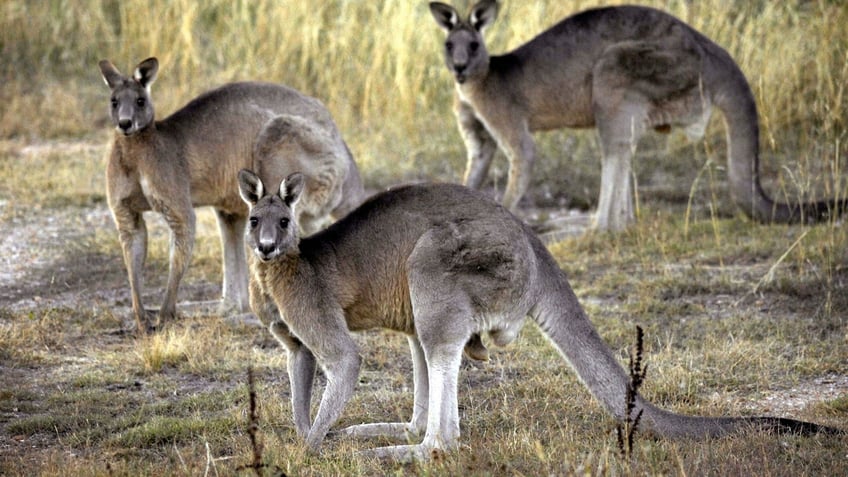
(283,267)
(145,138)
(473,87)
(134,150)
(286,275)
(491,77)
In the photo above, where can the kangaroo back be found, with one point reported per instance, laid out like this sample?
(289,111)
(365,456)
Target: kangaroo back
(233,121)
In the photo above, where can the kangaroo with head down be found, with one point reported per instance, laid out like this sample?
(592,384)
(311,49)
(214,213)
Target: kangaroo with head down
(440,263)
(623,70)
(189,159)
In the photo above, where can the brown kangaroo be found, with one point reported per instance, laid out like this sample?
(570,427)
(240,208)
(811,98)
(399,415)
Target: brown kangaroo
(440,263)
(623,70)
(189,159)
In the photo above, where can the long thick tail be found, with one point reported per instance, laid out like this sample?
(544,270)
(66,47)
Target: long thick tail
(563,320)
(736,101)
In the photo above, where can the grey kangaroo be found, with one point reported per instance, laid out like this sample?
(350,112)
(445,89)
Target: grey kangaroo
(189,159)
(440,263)
(623,70)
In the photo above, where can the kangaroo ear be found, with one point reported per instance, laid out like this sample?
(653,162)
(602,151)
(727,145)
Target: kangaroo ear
(291,187)
(483,14)
(110,74)
(145,72)
(251,188)
(445,15)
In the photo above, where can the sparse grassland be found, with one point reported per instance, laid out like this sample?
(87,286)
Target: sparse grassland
(739,318)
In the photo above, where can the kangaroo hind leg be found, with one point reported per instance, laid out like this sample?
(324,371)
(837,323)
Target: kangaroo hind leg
(234,301)
(403,430)
(634,85)
(620,126)
(234,288)
(442,315)
(443,358)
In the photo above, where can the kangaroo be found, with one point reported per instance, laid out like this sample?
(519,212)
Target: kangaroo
(622,70)
(439,263)
(189,159)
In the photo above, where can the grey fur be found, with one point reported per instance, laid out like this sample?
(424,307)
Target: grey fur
(623,70)
(439,263)
(190,158)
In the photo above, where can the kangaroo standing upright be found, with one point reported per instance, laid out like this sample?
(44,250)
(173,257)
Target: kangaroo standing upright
(440,263)
(189,159)
(623,70)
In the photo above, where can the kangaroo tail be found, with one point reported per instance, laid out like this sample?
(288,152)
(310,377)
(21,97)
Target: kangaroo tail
(560,316)
(736,101)
(669,424)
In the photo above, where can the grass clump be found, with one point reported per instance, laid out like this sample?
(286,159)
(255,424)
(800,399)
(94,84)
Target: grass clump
(164,349)
(165,430)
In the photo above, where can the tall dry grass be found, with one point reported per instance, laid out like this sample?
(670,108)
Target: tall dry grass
(378,66)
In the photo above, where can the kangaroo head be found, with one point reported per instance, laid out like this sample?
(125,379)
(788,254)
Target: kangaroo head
(131,108)
(271,228)
(465,50)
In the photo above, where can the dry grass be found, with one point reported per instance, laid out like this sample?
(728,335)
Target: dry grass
(728,324)
(353,54)
(733,312)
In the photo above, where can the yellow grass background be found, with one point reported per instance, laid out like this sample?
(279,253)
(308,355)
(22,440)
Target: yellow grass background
(378,65)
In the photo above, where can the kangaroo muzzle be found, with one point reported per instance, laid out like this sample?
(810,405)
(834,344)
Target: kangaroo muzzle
(266,247)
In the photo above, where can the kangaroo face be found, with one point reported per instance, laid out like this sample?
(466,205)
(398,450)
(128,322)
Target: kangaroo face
(271,231)
(130,106)
(271,228)
(465,52)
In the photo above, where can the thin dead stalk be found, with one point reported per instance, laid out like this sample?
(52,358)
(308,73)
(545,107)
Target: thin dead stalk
(626,431)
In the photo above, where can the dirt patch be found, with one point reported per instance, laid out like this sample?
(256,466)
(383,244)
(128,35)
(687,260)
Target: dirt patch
(792,400)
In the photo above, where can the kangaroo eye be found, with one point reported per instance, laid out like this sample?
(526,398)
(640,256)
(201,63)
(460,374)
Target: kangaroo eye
(284,223)
(114,103)
(140,102)
(449,46)
(254,222)
(474,46)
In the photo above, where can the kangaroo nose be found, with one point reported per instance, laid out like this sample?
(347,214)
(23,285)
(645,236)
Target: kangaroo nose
(265,248)
(125,124)
(459,73)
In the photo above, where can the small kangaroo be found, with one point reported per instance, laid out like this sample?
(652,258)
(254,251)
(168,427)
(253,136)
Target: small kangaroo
(440,263)
(623,70)
(189,159)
